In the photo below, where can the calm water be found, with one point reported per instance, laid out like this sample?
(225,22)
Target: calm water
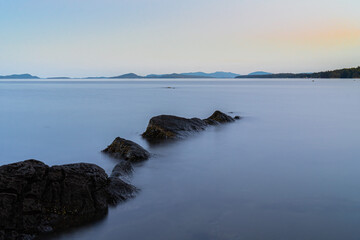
(290,169)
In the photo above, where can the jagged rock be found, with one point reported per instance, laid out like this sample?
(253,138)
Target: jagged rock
(125,149)
(171,127)
(36,198)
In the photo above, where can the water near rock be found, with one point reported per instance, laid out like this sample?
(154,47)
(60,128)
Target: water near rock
(289,169)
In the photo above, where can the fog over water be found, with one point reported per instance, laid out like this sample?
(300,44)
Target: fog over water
(289,169)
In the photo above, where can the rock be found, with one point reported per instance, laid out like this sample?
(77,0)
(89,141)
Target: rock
(125,149)
(219,117)
(36,198)
(10,235)
(237,117)
(171,127)
(119,191)
(124,168)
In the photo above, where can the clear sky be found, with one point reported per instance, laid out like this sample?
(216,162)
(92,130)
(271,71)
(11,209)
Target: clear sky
(109,37)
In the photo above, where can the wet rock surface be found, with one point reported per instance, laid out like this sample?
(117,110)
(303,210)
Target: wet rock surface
(171,127)
(36,198)
(125,149)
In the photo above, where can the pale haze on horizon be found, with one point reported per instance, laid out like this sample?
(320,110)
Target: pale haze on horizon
(81,38)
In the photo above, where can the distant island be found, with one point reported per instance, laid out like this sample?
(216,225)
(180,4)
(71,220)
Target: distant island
(218,74)
(258,73)
(212,75)
(128,75)
(340,73)
(174,75)
(19,76)
(182,75)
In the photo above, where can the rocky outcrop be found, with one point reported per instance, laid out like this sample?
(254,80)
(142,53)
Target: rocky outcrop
(36,198)
(125,149)
(171,127)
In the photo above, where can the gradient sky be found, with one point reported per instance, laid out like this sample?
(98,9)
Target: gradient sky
(109,37)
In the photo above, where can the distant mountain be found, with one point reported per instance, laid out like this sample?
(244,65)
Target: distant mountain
(224,74)
(128,75)
(340,73)
(19,76)
(199,74)
(213,75)
(173,75)
(259,73)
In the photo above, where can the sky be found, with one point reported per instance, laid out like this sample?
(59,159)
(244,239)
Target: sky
(82,38)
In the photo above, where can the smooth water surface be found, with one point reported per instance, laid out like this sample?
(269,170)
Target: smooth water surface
(290,169)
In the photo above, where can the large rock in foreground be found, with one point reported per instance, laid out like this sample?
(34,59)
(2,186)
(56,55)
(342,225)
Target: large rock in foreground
(171,127)
(36,198)
(125,149)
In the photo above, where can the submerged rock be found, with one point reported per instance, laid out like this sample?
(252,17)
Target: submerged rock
(36,198)
(125,149)
(171,127)
(119,191)
(237,117)
(124,168)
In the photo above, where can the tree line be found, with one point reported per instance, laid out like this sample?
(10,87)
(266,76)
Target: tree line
(340,73)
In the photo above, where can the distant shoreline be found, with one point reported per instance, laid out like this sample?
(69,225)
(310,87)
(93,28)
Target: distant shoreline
(340,74)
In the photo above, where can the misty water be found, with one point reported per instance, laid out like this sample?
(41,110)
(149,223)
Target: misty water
(289,169)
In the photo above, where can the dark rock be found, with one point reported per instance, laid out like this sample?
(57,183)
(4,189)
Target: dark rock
(237,117)
(124,168)
(119,191)
(125,149)
(219,117)
(13,235)
(171,127)
(36,198)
